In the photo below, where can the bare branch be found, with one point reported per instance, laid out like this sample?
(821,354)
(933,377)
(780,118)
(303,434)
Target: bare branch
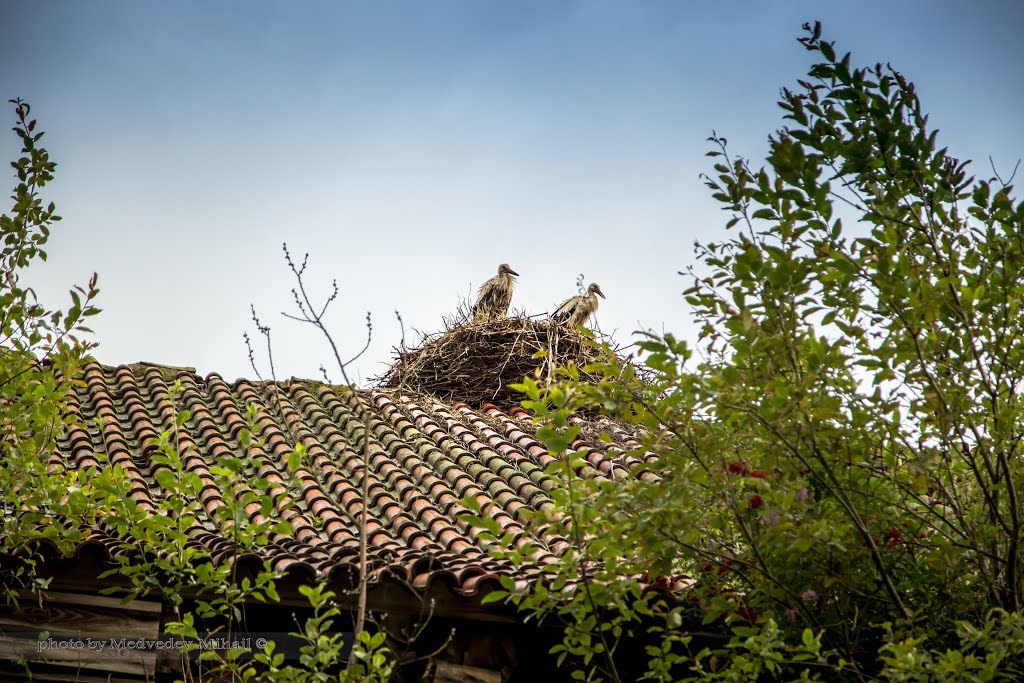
(265,331)
(401,326)
(369,338)
(308,314)
(252,357)
(332,297)
(1002,182)
(299,305)
(314,315)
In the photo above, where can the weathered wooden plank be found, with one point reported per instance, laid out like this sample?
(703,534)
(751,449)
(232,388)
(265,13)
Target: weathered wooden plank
(150,607)
(132,662)
(386,596)
(82,630)
(88,615)
(65,677)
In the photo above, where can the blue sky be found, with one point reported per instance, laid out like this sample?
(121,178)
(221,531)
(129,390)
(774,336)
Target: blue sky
(410,147)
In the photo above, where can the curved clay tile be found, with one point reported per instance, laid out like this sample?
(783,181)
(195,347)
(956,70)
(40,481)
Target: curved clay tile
(425,459)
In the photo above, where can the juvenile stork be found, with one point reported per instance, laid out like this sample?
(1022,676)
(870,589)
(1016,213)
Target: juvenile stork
(577,310)
(495,295)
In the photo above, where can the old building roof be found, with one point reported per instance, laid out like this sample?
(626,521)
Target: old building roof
(426,457)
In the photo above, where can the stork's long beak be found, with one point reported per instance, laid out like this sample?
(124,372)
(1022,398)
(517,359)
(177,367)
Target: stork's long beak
(600,293)
(512,272)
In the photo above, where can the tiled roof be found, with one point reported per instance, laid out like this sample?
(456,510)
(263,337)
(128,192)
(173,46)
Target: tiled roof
(426,457)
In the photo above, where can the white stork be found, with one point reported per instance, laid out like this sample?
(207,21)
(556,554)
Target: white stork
(577,310)
(495,295)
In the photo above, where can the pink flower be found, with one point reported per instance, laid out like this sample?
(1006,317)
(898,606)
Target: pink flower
(802,494)
(737,467)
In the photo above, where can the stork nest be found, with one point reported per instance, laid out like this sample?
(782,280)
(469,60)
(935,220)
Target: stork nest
(476,362)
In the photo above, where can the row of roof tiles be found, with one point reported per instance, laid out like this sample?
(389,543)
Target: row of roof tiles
(425,458)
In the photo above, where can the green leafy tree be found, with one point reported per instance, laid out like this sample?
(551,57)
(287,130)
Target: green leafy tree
(40,351)
(840,463)
(41,354)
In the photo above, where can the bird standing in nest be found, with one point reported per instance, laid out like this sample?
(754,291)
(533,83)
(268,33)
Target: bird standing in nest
(495,295)
(577,310)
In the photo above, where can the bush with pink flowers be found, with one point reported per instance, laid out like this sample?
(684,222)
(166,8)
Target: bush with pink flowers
(839,467)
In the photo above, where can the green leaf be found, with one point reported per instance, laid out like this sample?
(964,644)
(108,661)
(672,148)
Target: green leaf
(494,596)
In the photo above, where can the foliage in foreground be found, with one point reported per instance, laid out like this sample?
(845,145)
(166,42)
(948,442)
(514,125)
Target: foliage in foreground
(40,349)
(41,353)
(840,465)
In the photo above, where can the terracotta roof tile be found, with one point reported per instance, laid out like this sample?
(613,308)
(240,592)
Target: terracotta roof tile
(425,458)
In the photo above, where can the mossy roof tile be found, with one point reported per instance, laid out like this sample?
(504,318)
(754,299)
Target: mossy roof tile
(425,458)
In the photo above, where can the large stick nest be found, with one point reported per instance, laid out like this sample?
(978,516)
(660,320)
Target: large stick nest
(476,362)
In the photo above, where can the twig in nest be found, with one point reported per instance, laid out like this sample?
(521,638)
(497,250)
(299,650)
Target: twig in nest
(476,362)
